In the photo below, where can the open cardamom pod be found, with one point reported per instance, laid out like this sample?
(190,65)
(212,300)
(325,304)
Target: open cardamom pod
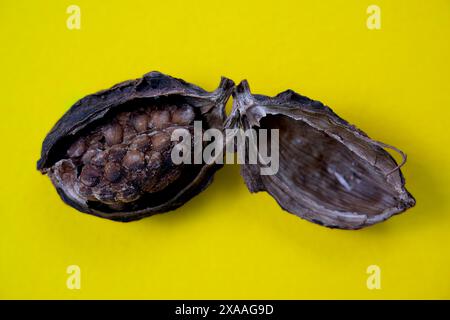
(330,172)
(110,154)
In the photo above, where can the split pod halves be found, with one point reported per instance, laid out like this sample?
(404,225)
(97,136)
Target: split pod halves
(111,154)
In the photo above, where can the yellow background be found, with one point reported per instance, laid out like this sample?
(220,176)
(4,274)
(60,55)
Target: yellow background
(227,243)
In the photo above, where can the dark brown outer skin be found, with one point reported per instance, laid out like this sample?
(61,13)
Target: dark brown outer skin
(248,110)
(151,85)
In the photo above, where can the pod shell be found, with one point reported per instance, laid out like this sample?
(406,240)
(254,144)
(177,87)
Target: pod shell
(153,85)
(326,199)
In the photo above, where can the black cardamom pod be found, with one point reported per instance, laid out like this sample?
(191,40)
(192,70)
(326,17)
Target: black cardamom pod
(110,154)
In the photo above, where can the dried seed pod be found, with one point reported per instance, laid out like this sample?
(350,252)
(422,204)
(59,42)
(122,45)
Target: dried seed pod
(110,154)
(330,172)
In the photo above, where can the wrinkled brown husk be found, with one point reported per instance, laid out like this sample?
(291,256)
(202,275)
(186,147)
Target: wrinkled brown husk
(330,173)
(95,107)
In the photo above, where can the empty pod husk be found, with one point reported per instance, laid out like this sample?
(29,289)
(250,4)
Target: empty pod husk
(330,172)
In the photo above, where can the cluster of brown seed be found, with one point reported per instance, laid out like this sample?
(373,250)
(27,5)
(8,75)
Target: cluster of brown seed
(130,155)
